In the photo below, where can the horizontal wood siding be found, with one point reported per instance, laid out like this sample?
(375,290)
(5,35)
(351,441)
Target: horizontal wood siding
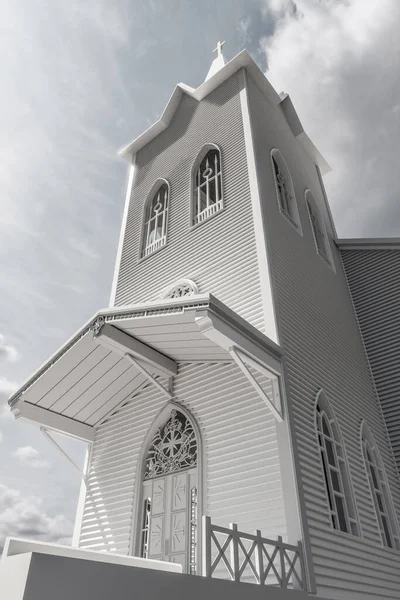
(219,255)
(241,463)
(323,349)
(374,281)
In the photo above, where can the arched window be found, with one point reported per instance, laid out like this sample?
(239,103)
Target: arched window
(155,219)
(284,189)
(337,481)
(183,287)
(207,185)
(170,502)
(318,228)
(385,514)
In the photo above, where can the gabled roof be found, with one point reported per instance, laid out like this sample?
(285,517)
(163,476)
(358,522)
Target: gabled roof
(241,60)
(93,373)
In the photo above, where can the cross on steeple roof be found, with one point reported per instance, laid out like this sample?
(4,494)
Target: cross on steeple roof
(218,49)
(218,62)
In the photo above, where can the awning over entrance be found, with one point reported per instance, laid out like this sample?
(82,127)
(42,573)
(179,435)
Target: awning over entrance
(119,350)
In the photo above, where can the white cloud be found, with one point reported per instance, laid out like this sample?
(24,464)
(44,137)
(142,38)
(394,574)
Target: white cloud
(29,457)
(24,517)
(339,61)
(7,351)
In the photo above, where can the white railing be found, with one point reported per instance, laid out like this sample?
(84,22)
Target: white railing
(251,558)
(208,212)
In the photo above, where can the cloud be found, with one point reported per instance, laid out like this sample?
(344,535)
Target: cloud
(7,351)
(339,61)
(24,517)
(29,457)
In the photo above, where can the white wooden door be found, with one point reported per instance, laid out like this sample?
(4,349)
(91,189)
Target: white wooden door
(171,530)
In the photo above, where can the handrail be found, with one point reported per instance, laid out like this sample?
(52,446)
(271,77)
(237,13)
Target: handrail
(267,561)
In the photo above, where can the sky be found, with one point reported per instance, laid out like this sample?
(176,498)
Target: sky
(83,78)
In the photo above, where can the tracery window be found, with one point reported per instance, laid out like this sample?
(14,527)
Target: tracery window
(156,220)
(318,228)
(284,189)
(385,515)
(340,500)
(207,186)
(174,447)
(183,287)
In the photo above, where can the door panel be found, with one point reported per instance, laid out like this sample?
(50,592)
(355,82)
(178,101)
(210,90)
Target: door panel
(157,537)
(158,497)
(179,491)
(178,531)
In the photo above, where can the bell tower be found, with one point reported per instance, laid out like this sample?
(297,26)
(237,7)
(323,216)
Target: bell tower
(207,228)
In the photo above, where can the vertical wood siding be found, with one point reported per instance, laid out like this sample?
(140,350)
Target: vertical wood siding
(241,462)
(323,348)
(374,281)
(219,255)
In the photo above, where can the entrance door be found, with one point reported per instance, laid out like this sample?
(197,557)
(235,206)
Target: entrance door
(170,492)
(171,526)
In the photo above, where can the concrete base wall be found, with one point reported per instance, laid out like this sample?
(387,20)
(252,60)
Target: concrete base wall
(62,578)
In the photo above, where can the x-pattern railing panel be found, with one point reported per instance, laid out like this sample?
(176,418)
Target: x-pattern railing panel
(251,557)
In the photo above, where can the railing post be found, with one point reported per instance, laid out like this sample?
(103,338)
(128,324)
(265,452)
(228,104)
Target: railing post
(235,552)
(206,546)
(282,559)
(259,555)
(302,568)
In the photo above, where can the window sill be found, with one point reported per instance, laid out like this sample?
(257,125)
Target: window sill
(196,225)
(143,258)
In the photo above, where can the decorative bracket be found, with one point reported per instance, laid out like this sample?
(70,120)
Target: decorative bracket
(96,326)
(237,356)
(150,377)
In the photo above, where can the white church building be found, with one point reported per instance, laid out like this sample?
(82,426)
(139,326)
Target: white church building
(240,396)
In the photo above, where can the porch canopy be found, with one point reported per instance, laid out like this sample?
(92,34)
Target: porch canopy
(121,349)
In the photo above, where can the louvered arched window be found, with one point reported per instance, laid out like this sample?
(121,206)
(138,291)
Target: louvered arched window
(207,185)
(155,219)
(284,189)
(318,228)
(384,509)
(340,498)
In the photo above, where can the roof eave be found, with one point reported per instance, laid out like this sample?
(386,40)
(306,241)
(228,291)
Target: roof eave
(243,59)
(368,243)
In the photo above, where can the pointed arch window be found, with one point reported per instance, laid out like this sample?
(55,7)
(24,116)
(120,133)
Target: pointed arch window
(207,185)
(284,189)
(174,447)
(318,228)
(155,220)
(337,481)
(384,510)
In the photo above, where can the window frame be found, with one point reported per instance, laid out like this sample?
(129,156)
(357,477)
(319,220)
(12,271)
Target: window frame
(292,215)
(326,254)
(344,487)
(149,198)
(193,188)
(388,511)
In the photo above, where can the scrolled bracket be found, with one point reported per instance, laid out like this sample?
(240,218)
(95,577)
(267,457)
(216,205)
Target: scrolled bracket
(96,326)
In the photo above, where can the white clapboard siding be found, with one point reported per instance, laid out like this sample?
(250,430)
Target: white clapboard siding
(219,255)
(241,463)
(323,349)
(374,281)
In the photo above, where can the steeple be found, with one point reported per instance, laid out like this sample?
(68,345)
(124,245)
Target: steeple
(218,62)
